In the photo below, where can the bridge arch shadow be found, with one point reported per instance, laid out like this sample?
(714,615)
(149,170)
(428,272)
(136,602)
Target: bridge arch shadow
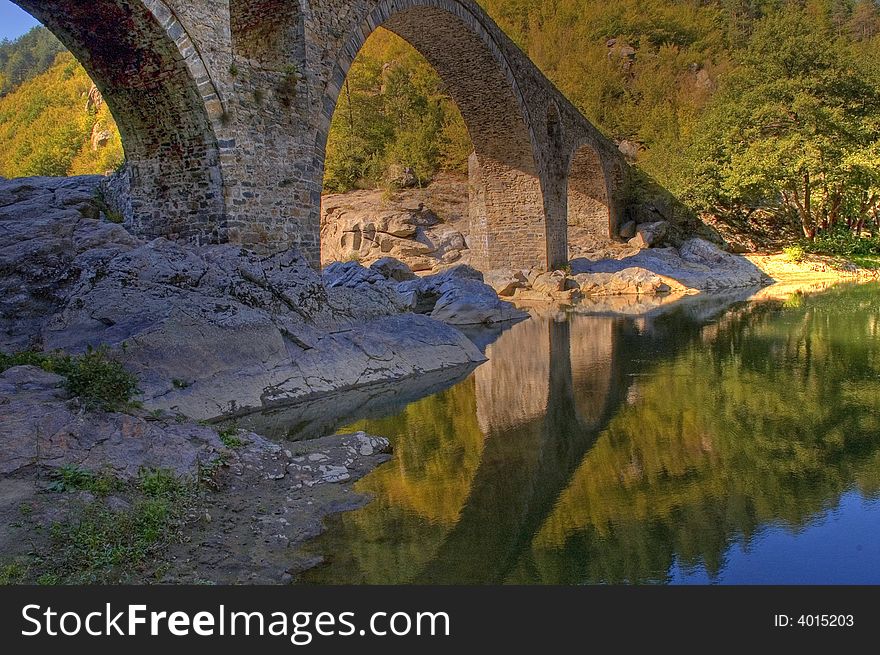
(159,91)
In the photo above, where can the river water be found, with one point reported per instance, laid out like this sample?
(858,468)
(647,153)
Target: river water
(711,441)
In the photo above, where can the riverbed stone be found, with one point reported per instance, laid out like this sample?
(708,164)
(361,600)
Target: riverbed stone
(629,281)
(697,265)
(649,235)
(506,282)
(393,269)
(460,297)
(550,283)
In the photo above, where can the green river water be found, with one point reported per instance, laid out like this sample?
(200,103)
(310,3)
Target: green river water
(717,441)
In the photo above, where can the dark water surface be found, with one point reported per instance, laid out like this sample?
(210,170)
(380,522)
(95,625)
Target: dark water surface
(711,442)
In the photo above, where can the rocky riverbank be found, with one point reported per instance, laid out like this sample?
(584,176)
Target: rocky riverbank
(217,330)
(206,332)
(134,496)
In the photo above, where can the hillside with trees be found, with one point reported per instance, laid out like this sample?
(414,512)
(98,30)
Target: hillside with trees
(758,111)
(57,124)
(26,57)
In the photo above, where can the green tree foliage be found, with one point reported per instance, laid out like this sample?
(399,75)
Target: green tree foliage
(28,56)
(393,116)
(46,126)
(796,127)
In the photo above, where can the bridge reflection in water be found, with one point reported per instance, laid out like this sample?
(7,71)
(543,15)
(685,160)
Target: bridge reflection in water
(598,449)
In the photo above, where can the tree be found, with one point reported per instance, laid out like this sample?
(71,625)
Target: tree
(796,124)
(865,21)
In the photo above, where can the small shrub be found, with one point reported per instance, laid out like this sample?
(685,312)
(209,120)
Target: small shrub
(96,378)
(159,483)
(74,478)
(794,254)
(49,580)
(12,573)
(229,437)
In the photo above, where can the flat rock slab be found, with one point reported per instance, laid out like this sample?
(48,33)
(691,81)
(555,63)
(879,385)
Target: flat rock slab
(43,427)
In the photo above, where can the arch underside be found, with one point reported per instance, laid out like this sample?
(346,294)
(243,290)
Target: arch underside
(508,228)
(172,159)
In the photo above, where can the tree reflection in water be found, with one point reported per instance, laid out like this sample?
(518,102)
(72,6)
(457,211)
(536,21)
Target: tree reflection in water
(598,449)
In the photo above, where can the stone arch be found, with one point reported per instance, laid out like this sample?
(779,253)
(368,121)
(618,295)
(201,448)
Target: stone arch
(506,211)
(159,91)
(589,196)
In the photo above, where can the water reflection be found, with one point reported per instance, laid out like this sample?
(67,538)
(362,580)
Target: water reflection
(593,448)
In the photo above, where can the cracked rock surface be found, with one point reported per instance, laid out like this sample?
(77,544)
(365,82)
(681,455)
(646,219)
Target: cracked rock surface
(43,427)
(209,331)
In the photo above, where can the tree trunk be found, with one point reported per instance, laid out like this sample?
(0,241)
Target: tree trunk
(804,209)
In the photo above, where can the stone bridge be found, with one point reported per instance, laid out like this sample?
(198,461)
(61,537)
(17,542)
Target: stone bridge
(224,107)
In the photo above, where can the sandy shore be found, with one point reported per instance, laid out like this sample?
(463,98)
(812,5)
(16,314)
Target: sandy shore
(815,273)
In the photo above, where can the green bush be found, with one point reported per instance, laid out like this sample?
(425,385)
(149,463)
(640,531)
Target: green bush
(794,254)
(100,381)
(842,242)
(74,478)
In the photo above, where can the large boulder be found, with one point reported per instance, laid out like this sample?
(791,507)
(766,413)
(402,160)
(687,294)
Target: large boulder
(459,297)
(208,330)
(393,269)
(649,235)
(629,281)
(550,283)
(697,265)
(364,287)
(506,282)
